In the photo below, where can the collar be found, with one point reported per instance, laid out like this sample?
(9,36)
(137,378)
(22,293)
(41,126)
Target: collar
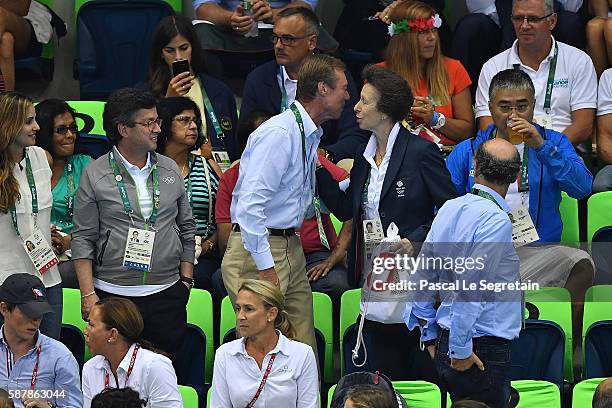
(514,54)
(370,149)
(285,76)
(310,128)
(499,199)
(104,364)
(129,166)
(282,346)
(5,344)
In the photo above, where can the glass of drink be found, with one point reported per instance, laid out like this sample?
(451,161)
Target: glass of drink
(514,137)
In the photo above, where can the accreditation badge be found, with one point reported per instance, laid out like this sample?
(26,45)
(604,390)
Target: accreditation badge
(222,159)
(39,251)
(372,235)
(544,120)
(139,249)
(523,230)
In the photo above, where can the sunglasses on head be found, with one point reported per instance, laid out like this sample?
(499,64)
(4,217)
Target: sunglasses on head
(63,129)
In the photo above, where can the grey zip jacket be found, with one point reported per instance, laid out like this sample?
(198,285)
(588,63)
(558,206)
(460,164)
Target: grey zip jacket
(101,223)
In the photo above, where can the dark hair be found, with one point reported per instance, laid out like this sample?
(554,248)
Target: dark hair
(167,109)
(395,94)
(168,28)
(514,79)
(317,68)
(309,16)
(247,125)
(5,399)
(121,107)
(494,169)
(603,395)
(123,315)
(370,396)
(117,398)
(469,404)
(46,112)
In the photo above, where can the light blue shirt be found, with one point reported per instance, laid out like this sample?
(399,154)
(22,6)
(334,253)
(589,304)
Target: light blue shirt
(58,373)
(469,227)
(275,189)
(232,4)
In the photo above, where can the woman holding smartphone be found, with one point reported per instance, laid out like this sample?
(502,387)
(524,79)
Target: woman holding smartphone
(177,70)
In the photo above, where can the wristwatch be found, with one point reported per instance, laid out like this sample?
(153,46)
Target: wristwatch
(440,121)
(187,280)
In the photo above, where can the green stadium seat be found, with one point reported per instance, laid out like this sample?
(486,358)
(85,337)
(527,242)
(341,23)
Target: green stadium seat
(598,213)
(597,307)
(336,222)
(200,314)
(228,319)
(323,322)
(582,396)
(189,396)
(569,215)
(349,310)
(540,394)
(177,5)
(554,304)
(89,116)
(71,312)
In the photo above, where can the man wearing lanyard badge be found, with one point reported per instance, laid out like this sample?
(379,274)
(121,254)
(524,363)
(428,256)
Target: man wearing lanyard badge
(270,201)
(563,76)
(36,371)
(549,165)
(134,234)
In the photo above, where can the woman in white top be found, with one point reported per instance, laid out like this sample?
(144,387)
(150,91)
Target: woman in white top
(265,368)
(121,360)
(32,212)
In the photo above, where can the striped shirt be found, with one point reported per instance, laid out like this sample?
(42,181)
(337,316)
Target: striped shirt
(200,200)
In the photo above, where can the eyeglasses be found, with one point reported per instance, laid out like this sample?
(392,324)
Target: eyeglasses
(529,19)
(149,123)
(188,120)
(288,40)
(63,129)
(520,108)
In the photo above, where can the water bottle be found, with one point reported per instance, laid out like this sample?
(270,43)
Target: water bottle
(248,10)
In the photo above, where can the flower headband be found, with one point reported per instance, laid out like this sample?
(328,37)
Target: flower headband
(415,25)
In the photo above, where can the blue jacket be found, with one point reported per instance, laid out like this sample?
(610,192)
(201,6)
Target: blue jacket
(341,137)
(553,167)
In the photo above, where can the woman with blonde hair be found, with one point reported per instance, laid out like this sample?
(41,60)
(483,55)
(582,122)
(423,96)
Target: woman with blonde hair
(25,204)
(265,365)
(440,84)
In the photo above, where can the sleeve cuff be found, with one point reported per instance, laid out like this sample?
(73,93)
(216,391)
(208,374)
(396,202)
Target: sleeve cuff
(429,331)
(263,260)
(547,149)
(459,351)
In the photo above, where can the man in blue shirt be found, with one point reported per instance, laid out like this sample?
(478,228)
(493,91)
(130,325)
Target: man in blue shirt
(36,370)
(275,192)
(474,326)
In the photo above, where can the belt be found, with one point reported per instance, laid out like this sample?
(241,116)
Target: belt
(444,334)
(289,232)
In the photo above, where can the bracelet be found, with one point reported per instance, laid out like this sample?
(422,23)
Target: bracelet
(88,295)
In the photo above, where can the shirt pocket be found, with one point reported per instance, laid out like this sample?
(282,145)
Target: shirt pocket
(42,177)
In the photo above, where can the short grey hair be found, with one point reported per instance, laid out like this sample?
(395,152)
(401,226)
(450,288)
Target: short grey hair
(549,6)
(494,169)
(514,79)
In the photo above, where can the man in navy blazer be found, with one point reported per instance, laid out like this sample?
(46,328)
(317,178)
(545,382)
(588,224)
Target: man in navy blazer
(271,87)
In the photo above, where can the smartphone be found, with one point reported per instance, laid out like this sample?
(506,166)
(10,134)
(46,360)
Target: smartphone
(180,66)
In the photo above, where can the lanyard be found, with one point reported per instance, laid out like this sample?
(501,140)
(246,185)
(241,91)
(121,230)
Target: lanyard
(283,106)
(9,365)
(124,195)
(208,186)
(263,381)
(486,195)
(129,372)
(364,196)
(69,169)
(32,186)
(551,80)
(523,177)
(212,116)
(298,118)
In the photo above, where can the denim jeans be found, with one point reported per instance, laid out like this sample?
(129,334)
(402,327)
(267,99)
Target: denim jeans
(491,386)
(51,324)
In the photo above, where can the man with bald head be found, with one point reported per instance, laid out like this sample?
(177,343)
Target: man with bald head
(473,328)
(603,394)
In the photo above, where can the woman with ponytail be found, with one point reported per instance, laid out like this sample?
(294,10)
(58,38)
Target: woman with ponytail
(265,367)
(25,204)
(122,359)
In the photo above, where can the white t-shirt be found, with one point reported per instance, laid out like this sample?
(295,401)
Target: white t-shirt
(574,87)
(13,257)
(153,377)
(604,93)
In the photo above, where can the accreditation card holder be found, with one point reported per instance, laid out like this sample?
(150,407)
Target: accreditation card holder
(222,158)
(546,121)
(39,251)
(523,230)
(372,235)
(139,249)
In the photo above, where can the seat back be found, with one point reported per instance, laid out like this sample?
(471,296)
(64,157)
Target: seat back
(349,310)
(200,315)
(190,364)
(419,394)
(189,396)
(598,213)
(582,395)
(601,251)
(227,325)
(73,338)
(569,215)
(554,304)
(540,394)
(538,352)
(176,5)
(71,313)
(323,322)
(597,307)
(92,137)
(598,350)
(114,41)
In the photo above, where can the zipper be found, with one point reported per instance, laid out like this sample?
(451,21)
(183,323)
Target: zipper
(101,256)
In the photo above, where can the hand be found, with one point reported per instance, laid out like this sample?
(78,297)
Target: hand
(423,108)
(207,246)
(86,305)
(322,269)
(270,276)
(35,403)
(206,150)
(262,11)
(240,23)
(59,242)
(180,84)
(432,351)
(464,364)
(403,247)
(531,136)
(385,15)
(188,286)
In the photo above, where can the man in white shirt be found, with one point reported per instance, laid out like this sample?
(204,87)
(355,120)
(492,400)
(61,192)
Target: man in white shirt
(275,192)
(603,179)
(564,76)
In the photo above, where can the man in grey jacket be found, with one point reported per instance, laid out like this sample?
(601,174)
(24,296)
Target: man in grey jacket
(129,192)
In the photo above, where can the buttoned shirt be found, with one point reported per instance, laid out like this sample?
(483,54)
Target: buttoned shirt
(291,383)
(469,227)
(57,379)
(140,177)
(574,85)
(276,186)
(152,376)
(289,84)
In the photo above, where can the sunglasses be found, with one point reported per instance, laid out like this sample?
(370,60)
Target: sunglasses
(63,129)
